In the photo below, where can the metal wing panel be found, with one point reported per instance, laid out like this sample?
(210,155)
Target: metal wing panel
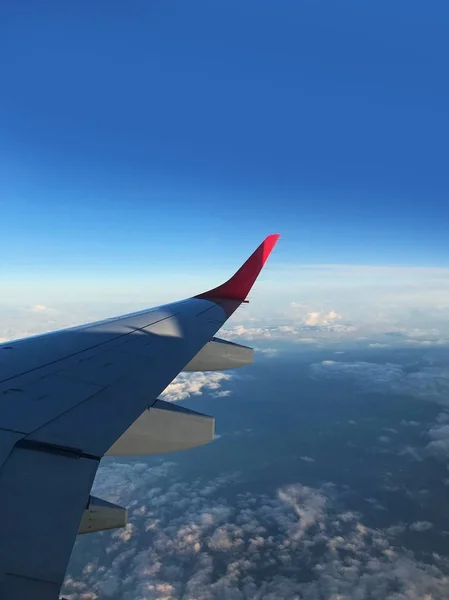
(42,500)
(103,369)
(27,355)
(95,424)
(75,414)
(113,351)
(8,440)
(31,404)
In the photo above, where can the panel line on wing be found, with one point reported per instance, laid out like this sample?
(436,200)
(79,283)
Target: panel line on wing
(78,352)
(68,451)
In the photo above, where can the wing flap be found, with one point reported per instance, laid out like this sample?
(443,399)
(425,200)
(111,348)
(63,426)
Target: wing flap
(220,355)
(164,427)
(100,515)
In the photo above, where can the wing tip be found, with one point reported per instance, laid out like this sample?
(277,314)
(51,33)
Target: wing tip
(270,242)
(240,284)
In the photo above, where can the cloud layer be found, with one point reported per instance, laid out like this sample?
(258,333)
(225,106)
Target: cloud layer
(207,541)
(322,330)
(430,383)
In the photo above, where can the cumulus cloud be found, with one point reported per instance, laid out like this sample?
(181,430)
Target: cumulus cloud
(268,351)
(443,417)
(439,444)
(307,504)
(259,333)
(222,394)
(314,329)
(195,384)
(190,540)
(412,452)
(317,318)
(421,526)
(40,308)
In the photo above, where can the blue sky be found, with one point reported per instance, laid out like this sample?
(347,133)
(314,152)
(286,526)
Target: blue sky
(163,137)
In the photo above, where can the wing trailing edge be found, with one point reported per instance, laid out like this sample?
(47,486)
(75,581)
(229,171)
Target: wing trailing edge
(164,427)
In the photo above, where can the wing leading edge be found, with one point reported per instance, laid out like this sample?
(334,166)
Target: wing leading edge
(67,397)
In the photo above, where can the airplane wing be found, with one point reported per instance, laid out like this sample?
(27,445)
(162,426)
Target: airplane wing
(72,396)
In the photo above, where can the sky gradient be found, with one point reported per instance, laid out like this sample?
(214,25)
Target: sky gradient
(171,137)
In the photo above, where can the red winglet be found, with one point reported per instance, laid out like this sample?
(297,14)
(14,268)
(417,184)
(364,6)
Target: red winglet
(240,284)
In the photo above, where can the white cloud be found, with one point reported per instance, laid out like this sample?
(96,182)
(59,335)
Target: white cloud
(431,383)
(22,321)
(195,384)
(440,433)
(40,308)
(319,328)
(439,446)
(412,452)
(268,351)
(421,526)
(396,529)
(426,343)
(307,459)
(254,333)
(307,503)
(222,394)
(317,318)
(443,417)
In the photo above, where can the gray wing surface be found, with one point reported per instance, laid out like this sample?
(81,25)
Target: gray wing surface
(65,399)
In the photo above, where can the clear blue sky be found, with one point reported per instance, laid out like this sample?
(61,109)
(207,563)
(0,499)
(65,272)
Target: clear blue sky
(163,131)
